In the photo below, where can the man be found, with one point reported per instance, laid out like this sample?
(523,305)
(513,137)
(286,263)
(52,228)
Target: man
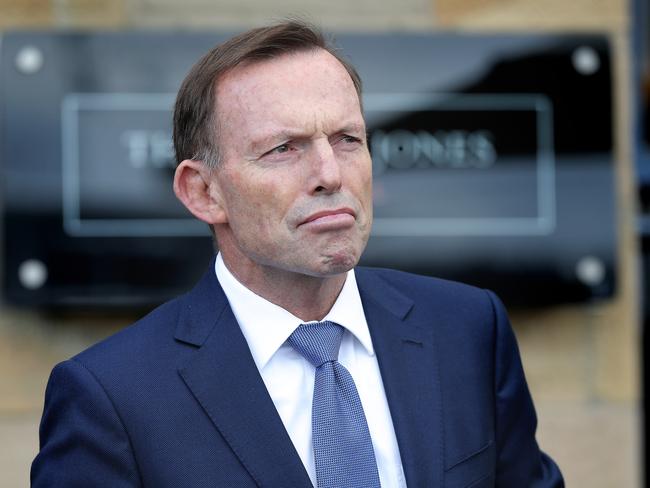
(420,383)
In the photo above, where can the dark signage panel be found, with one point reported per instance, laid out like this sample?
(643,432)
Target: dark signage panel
(434,149)
(492,160)
(117,165)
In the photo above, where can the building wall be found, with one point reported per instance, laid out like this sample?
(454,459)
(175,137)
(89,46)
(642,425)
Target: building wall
(581,360)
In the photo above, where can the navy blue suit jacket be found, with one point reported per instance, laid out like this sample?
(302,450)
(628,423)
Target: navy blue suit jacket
(176,400)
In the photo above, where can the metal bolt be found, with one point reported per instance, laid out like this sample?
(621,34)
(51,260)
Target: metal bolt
(590,270)
(29,60)
(32,274)
(585,60)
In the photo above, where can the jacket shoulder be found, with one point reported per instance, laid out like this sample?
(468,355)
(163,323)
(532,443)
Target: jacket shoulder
(138,341)
(454,310)
(417,286)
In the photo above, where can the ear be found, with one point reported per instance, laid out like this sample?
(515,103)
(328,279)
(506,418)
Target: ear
(196,186)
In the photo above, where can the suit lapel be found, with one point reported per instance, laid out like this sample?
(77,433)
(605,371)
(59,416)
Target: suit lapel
(224,379)
(407,361)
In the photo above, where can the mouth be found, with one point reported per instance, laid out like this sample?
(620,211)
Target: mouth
(330,219)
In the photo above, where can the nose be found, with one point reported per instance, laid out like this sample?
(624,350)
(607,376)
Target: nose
(326,169)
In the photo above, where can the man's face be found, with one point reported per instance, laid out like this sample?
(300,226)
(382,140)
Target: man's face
(295,181)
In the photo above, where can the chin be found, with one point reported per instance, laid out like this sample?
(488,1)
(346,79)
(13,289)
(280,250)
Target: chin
(340,262)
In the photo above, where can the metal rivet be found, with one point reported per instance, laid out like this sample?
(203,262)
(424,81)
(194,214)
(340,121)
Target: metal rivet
(590,271)
(585,60)
(32,274)
(29,60)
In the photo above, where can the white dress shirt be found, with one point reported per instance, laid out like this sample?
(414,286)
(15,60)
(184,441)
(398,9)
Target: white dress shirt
(289,378)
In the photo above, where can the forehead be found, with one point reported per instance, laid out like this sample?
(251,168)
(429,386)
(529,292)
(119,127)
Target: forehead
(303,68)
(290,89)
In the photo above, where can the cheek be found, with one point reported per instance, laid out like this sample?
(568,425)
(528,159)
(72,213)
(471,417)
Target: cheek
(256,206)
(362,182)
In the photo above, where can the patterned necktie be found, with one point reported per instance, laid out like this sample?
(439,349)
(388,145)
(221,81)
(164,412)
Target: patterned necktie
(341,440)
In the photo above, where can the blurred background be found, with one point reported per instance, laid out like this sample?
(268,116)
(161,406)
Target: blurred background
(511,150)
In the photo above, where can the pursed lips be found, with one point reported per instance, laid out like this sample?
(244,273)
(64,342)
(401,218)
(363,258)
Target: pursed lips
(339,216)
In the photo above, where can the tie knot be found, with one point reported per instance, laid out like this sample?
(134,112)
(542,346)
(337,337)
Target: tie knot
(317,342)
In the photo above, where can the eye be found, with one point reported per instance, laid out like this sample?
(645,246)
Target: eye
(281,149)
(347,142)
(350,139)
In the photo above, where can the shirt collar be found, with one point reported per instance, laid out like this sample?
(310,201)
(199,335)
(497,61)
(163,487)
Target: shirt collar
(267,326)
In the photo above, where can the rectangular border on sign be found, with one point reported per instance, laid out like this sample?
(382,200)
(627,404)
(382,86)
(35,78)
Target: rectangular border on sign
(73,224)
(543,224)
(545,221)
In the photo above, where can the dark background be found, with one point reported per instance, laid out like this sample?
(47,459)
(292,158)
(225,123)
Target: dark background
(512,188)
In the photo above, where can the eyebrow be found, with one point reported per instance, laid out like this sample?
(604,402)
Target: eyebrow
(354,127)
(266,142)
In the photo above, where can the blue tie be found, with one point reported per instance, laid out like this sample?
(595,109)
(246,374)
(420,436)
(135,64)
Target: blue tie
(342,444)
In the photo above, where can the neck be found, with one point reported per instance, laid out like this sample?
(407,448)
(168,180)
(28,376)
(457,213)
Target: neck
(307,297)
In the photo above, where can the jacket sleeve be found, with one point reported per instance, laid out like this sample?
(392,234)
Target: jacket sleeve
(520,462)
(83,441)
